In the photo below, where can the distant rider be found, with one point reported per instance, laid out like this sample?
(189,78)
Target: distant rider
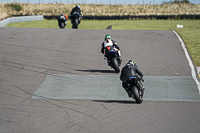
(130,70)
(111,44)
(60,17)
(76,9)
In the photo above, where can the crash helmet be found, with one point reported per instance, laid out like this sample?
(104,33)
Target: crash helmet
(107,37)
(61,16)
(132,62)
(78,6)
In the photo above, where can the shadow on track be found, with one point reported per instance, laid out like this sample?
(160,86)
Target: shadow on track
(116,101)
(97,71)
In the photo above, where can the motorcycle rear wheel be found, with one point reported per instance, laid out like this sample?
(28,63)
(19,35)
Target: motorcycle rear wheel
(76,21)
(136,93)
(115,65)
(75,25)
(62,25)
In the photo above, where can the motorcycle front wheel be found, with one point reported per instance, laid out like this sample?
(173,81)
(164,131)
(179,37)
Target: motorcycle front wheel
(138,97)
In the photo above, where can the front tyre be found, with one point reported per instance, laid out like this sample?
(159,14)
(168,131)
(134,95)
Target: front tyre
(115,65)
(138,97)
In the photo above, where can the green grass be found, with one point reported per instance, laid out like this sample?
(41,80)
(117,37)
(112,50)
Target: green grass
(116,24)
(190,33)
(191,38)
(36,24)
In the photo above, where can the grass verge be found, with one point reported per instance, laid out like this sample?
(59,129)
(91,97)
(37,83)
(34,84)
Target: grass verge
(190,33)
(191,38)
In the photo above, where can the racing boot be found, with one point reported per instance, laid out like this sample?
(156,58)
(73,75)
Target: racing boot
(142,80)
(119,53)
(129,93)
(120,59)
(105,58)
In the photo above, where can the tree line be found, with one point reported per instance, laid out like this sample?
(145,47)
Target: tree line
(178,2)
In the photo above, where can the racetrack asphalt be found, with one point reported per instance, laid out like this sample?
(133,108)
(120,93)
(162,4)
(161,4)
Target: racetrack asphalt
(42,68)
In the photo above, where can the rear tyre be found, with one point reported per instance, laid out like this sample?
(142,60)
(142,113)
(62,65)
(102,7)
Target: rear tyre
(76,24)
(62,25)
(76,21)
(115,65)
(138,97)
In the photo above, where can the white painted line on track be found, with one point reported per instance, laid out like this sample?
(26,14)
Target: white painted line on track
(198,71)
(189,60)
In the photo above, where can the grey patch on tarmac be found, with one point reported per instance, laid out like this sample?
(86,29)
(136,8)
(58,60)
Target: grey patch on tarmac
(81,87)
(171,88)
(108,87)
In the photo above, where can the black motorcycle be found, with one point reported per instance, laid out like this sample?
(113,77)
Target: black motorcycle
(62,22)
(75,20)
(135,89)
(113,59)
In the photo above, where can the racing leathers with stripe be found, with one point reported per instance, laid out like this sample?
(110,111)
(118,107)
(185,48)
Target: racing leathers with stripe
(111,45)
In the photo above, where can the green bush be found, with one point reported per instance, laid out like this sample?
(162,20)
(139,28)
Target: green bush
(16,7)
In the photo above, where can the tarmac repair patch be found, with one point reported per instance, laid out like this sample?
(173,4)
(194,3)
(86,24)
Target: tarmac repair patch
(109,87)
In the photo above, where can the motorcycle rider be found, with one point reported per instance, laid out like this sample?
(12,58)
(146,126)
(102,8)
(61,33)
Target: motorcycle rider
(59,18)
(76,9)
(130,70)
(109,43)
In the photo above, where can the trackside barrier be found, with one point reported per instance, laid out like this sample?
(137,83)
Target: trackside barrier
(20,19)
(142,17)
(118,17)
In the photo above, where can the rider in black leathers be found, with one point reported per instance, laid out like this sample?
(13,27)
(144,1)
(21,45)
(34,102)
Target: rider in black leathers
(76,9)
(130,70)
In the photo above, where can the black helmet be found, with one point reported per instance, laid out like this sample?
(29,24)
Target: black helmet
(78,6)
(131,62)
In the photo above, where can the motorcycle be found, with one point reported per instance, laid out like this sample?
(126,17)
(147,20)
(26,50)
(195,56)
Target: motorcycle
(62,22)
(75,20)
(113,59)
(135,88)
